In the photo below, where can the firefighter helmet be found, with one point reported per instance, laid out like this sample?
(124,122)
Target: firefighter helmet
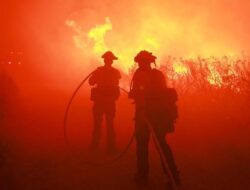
(109,55)
(145,57)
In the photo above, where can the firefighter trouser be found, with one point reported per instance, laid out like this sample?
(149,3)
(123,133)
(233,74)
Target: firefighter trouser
(100,109)
(142,132)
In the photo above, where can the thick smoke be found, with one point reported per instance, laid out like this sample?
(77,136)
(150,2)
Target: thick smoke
(211,140)
(173,28)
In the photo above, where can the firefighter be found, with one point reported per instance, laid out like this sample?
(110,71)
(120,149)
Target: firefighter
(104,94)
(154,102)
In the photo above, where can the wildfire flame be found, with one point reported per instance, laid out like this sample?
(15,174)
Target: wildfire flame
(95,41)
(97,34)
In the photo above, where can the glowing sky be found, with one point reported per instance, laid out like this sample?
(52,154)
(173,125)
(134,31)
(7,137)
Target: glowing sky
(76,30)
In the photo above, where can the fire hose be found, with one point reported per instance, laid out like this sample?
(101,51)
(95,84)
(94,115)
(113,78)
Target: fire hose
(117,158)
(66,138)
(164,162)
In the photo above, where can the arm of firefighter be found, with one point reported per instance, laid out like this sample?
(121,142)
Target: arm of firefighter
(93,79)
(117,77)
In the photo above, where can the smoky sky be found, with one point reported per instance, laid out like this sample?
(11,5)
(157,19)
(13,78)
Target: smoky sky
(38,27)
(225,16)
(225,20)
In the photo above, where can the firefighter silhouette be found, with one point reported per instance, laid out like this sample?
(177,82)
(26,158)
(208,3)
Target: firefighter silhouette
(156,103)
(105,92)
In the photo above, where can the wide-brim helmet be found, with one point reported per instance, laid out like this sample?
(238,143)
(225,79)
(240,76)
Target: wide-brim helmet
(109,55)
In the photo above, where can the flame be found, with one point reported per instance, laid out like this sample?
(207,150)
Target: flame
(180,69)
(94,42)
(97,34)
(150,36)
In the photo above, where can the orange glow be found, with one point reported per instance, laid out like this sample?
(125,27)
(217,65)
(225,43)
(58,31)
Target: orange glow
(97,34)
(180,69)
(47,48)
(188,32)
(214,78)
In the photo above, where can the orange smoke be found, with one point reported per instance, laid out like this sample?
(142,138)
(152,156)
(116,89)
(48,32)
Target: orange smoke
(151,27)
(163,27)
(167,28)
